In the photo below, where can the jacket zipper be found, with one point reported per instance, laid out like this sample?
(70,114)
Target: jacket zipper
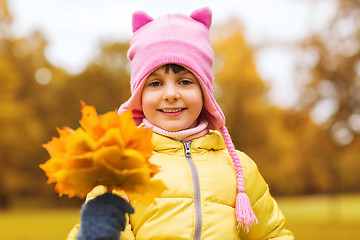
(196,185)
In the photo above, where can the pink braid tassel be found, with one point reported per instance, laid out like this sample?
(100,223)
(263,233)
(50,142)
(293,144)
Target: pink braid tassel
(244,213)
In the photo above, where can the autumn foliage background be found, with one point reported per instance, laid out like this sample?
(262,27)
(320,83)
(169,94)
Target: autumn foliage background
(296,155)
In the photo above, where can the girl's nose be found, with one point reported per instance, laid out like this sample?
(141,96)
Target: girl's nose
(171,93)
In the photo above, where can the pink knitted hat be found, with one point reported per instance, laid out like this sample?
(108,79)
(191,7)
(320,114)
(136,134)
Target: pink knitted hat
(182,40)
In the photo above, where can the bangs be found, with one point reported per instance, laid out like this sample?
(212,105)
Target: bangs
(174,67)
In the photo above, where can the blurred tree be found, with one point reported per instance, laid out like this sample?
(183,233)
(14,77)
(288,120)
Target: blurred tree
(36,97)
(329,74)
(27,116)
(5,19)
(106,81)
(238,87)
(349,167)
(294,154)
(20,129)
(256,127)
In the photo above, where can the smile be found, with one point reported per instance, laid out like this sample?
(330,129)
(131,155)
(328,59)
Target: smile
(171,110)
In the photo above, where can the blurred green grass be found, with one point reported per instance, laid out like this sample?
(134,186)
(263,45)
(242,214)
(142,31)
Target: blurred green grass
(316,217)
(323,217)
(37,224)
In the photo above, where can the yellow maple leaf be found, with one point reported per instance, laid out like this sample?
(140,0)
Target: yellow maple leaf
(107,150)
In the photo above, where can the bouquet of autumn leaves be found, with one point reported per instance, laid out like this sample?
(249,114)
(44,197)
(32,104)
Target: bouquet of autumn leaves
(108,150)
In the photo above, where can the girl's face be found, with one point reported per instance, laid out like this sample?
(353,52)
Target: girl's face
(172,101)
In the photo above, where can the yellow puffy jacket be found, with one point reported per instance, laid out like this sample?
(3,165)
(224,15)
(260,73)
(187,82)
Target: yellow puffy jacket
(200,200)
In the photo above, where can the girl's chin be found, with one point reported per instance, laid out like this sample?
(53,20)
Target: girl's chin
(175,128)
(172,129)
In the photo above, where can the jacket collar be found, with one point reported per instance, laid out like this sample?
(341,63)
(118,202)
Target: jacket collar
(211,141)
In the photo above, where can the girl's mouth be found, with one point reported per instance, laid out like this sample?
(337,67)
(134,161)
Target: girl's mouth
(172,110)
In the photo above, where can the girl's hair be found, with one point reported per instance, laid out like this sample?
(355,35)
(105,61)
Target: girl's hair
(176,68)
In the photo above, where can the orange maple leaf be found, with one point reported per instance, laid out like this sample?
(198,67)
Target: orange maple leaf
(107,150)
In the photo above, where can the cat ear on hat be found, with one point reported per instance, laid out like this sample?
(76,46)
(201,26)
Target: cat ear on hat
(139,19)
(203,15)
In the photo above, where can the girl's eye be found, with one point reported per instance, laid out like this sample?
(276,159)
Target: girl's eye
(155,84)
(185,82)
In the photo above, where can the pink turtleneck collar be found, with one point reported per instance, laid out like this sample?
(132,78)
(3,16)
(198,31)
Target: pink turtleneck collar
(182,135)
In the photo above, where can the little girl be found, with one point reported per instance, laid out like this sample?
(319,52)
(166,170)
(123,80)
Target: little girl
(214,191)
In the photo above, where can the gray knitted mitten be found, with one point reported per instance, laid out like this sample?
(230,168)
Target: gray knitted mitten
(103,218)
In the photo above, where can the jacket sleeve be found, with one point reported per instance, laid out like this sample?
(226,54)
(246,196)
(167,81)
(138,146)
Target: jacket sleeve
(271,221)
(127,234)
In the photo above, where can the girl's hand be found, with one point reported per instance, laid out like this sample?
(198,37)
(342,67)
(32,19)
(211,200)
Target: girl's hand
(103,217)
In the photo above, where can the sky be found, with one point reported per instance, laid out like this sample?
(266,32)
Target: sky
(75,29)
